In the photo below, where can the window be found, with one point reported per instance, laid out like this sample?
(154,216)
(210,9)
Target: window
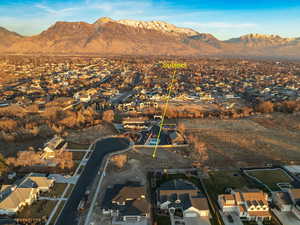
(120,203)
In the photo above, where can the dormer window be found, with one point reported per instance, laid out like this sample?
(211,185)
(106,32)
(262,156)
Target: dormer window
(178,201)
(120,203)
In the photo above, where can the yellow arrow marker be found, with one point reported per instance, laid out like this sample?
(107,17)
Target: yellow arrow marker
(164,114)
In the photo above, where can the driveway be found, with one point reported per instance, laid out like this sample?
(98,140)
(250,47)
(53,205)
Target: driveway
(286,218)
(197,221)
(62,179)
(235,217)
(142,222)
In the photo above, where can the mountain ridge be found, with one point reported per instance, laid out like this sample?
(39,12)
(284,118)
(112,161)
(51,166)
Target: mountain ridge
(108,36)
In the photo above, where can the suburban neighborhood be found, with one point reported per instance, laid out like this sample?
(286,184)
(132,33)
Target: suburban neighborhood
(92,141)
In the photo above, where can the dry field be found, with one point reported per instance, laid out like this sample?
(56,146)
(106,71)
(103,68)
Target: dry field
(135,170)
(88,135)
(253,141)
(82,138)
(12,148)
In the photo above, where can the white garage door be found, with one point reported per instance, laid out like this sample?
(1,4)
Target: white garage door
(191,214)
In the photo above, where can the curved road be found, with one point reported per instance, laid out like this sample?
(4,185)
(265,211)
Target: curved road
(69,213)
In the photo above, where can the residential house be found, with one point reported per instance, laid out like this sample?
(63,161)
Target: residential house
(248,206)
(82,97)
(182,201)
(135,123)
(23,192)
(127,204)
(55,145)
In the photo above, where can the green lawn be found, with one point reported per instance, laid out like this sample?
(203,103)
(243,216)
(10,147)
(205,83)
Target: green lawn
(271,177)
(168,177)
(220,180)
(59,208)
(78,155)
(69,191)
(74,168)
(38,209)
(56,191)
(249,223)
(163,220)
(72,145)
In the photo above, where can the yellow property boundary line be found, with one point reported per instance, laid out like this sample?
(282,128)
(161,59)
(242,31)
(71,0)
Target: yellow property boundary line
(167,65)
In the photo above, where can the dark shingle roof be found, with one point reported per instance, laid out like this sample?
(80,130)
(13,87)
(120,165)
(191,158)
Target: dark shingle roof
(182,194)
(132,194)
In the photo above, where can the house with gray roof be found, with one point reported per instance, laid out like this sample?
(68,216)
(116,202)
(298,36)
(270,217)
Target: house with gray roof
(183,202)
(127,204)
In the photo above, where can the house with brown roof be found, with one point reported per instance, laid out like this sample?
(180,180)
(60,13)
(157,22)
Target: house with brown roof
(135,123)
(127,204)
(24,192)
(183,202)
(252,205)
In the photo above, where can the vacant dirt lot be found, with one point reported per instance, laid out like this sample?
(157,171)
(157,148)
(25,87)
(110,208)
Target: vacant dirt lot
(88,135)
(249,142)
(82,138)
(135,170)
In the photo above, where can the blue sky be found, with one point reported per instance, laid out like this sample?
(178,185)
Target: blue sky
(224,19)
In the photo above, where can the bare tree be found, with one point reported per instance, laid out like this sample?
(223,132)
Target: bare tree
(265,107)
(200,148)
(108,116)
(119,160)
(182,127)
(3,166)
(8,124)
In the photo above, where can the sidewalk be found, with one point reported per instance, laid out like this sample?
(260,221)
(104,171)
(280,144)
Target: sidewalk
(62,198)
(77,150)
(52,199)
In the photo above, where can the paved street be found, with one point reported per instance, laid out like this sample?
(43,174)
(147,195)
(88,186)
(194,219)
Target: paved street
(197,220)
(103,147)
(4,221)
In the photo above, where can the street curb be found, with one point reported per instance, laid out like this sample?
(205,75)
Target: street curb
(92,150)
(107,159)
